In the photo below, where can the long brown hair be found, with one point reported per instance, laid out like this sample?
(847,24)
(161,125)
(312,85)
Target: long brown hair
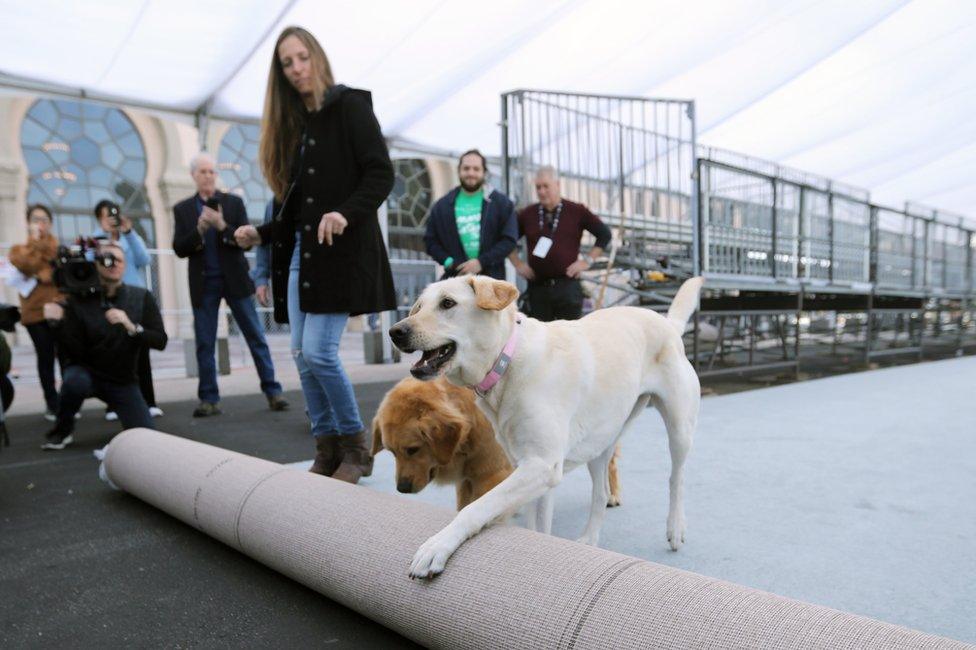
(284,111)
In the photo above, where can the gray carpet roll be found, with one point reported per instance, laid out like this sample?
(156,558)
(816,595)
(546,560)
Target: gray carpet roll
(505,588)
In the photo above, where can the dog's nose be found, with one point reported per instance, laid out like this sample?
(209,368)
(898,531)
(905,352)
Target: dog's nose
(400,334)
(405,485)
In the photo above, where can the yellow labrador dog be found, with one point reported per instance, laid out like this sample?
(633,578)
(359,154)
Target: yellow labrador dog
(558,395)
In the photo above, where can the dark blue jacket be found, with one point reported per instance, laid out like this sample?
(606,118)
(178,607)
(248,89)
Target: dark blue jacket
(499,232)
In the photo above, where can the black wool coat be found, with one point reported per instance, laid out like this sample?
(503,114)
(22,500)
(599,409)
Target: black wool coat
(342,165)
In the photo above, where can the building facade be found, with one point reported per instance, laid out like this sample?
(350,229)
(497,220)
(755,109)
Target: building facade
(70,154)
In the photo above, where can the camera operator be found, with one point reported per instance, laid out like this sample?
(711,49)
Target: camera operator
(118,227)
(100,337)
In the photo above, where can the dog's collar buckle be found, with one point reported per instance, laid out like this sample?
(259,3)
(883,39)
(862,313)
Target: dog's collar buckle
(502,362)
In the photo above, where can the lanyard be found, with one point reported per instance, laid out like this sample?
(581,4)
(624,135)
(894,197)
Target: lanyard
(555,219)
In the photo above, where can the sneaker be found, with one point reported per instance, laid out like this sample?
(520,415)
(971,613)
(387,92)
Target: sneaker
(50,416)
(277,403)
(54,441)
(206,409)
(155,412)
(111,416)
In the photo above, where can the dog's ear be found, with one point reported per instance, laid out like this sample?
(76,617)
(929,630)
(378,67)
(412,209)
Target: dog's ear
(492,294)
(447,433)
(443,442)
(377,438)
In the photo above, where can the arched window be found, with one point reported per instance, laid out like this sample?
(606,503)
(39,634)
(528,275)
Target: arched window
(240,172)
(78,154)
(407,207)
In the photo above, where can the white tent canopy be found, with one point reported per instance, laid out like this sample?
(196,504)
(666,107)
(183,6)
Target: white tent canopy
(879,94)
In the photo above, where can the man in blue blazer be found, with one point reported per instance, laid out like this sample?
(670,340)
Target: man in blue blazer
(204,233)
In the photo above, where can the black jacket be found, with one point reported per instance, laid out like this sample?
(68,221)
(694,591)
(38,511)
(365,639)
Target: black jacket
(187,242)
(499,232)
(86,339)
(342,166)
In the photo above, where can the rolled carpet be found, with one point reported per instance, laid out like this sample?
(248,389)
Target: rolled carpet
(505,588)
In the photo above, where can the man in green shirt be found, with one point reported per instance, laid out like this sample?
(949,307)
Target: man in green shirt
(472,229)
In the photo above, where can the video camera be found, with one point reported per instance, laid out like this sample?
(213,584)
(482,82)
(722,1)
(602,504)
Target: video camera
(74,268)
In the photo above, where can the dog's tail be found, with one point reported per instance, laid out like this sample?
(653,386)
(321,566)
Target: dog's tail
(685,303)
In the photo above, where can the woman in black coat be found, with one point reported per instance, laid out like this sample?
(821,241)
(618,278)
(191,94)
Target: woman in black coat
(324,156)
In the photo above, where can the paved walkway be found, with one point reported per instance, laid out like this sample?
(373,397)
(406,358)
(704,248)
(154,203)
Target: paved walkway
(856,492)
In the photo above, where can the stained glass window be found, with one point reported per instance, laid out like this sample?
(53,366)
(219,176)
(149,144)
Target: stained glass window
(78,154)
(408,205)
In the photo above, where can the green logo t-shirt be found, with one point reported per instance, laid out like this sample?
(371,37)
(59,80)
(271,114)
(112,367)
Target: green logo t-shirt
(467,213)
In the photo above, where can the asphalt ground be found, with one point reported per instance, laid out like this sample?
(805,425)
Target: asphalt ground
(84,566)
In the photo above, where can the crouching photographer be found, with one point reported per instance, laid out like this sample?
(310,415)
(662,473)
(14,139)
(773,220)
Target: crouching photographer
(100,329)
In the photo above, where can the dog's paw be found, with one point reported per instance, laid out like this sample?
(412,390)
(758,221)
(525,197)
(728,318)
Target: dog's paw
(613,501)
(432,556)
(676,533)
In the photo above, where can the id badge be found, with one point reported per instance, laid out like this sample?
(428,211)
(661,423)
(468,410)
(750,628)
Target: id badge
(542,247)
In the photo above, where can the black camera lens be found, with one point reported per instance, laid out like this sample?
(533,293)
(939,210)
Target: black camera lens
(81,271)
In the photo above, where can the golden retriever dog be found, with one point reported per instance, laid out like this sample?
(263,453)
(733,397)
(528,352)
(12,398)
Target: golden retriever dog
(558,395)
(437,433)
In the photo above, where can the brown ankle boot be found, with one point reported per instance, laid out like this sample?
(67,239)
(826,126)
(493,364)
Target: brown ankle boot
(327,456)
(356,461)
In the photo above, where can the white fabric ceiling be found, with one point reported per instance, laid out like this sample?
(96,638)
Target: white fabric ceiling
(879,94)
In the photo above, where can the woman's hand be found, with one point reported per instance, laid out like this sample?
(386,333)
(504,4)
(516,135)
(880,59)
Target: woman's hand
(247,237)
(332,223)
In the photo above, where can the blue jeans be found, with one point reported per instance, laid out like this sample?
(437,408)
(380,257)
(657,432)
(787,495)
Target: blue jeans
(315,340)
(205,330)
(78,384)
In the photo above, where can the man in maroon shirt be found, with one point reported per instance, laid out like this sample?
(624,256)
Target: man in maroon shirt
(553,228)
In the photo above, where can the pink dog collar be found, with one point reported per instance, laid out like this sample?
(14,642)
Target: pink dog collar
(502,362)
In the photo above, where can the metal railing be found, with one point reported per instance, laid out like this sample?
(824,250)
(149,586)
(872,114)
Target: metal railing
(634,162)
(780,247)
(630,160)
(757,226)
